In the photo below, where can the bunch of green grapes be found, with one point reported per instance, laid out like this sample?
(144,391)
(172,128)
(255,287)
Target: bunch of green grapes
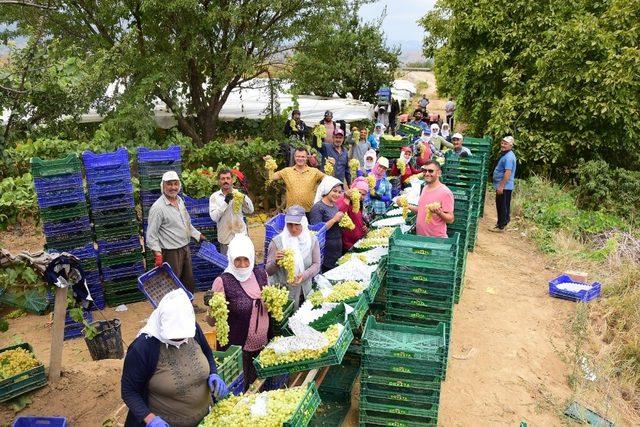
(402,166)
(238,200)
(328,168)
(354,165)
(275,298)
(16,361)
(355,197)
(371,180)
(346,257)
(431,207)
(346,222)
(422,148)
(340,292)
(287,262)
(384,232)
(402,202)
(220,313)
(268,357)
(236,410)
(373,242)
(270,165)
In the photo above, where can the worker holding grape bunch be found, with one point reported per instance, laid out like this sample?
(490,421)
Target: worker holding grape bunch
(227,208)
(436,204)
(293,257)
(326,210)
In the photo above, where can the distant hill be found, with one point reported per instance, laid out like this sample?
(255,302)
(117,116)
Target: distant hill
(411,51)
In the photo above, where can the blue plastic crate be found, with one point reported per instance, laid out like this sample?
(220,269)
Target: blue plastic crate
(97,176)
(237,386)
(197,207)
(584,296)
(202,222)
(54,228)
(127,270)
(275,225)
(145,155)
(40,422)
(110,187)
(158,282)
(60,182)
(93,161)
(209,252)
(65,196)
(73,329)
(112,201)
(128,245)
(148,199)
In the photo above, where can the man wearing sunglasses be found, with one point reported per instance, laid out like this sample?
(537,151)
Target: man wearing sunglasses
(435,206)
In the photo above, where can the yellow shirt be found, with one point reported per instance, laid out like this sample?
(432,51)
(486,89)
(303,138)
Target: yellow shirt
(300,186)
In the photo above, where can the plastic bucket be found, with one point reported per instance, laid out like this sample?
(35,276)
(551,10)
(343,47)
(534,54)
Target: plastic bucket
(107,344)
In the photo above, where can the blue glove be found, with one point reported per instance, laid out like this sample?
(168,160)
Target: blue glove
(157,422)
(217,386)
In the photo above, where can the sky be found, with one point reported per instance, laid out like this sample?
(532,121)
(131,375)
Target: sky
(400,24)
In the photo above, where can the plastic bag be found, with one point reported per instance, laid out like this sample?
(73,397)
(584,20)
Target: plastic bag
(259,407)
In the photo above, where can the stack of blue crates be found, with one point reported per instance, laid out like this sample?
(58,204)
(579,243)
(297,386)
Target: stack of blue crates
(65,217)
(115,223)
(204,273)
(275,225)
(152,164)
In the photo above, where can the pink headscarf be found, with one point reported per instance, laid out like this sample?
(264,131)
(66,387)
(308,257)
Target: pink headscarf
(360,183)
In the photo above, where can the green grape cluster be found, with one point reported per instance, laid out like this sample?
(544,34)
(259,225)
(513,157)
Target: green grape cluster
(346,222)
(16,361)
(236,410)
(220,313)
(340,292)
(268,357)
(356,198)
(287,262)
(275,298)
(238,200)
(346,257)
(354,165)
(431,207)
(381,233)
(402,201)
(372,242)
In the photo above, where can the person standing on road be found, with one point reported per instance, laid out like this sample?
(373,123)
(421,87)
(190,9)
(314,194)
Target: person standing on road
(423,103)
(435,206)
(503,181)
(449,109)
(222,212)
(170,230)
(300,180)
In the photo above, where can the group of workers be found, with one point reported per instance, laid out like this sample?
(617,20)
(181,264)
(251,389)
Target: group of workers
(169,373)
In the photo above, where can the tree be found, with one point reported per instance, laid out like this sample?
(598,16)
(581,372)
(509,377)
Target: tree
(188,53)
(349,56)
(559,75)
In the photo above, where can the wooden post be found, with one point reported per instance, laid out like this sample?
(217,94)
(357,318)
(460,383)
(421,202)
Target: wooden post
(57,334)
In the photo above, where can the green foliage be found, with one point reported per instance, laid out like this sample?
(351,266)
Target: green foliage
(17,200)
(347,57)
(200,182)
(22,287)
(615,190)
(89,331)
(559,75)
(189,54)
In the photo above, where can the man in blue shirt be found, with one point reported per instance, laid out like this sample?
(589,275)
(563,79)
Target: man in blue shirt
(340,156)
(417,121)
(503,182)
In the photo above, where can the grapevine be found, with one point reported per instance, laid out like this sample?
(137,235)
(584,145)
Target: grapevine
(238,200)
(275,298)
(220,313)
(355,197)
(346,222)
(340,292)
(236,410)
(287,262)
(268,357)
(16,361)
(354,165)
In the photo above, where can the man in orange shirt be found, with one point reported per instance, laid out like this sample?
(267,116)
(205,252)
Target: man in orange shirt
(300,181)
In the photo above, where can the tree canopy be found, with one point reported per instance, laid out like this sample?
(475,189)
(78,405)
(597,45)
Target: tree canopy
(189,53)
(562,76)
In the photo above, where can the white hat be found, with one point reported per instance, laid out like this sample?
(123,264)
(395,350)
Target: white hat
(509,139)
(457,136)
(383,161)
(170,176)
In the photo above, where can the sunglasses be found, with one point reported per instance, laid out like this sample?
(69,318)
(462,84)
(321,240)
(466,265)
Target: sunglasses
(429,170)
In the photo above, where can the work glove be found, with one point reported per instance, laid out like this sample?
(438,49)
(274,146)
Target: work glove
(217,386)
(158,259)
(228,197)
(157,422)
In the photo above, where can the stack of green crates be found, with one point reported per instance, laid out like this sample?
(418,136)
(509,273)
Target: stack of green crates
(402,371)
(465,215)
(390,146)
(480,147)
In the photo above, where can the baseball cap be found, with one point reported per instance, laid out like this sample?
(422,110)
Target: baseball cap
(509,139)
(457,136)
(383,161)
(294,215)
(170,176)
(338,131)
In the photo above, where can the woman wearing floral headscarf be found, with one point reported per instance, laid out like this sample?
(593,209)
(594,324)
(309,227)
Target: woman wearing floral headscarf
(380,194)
(403,166)
(249,323)
(346,205)
(306,251)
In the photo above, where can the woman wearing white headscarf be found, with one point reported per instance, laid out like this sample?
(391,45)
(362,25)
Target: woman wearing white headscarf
(169,371)
(306,251)
(325,210)
(436,140)
(374,138)
(249,322)
(370,158)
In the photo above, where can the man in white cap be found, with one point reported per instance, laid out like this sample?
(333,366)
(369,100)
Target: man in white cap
(458,149)
(169,230)
(503,181)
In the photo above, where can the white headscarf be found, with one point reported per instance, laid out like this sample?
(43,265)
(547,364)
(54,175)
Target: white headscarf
(381,127)
(445,130)
(435,129)
(325,187)
(370,153)
(300,244)
(173,322)
(241,246)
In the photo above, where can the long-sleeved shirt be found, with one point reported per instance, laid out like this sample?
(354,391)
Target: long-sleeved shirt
(359,150)
(228,222)
(341,167)
(169,226)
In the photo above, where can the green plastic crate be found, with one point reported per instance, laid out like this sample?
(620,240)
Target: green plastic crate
(426,303)
(333,357)
(59,213)
(402,396)
(330,413)
(286,313)
(43,168)
(231,366)
(338,382)
(381,418)
(117,231)
(360,309)
(373,404)
(23,382)
(420,383)
(333,316)
(114,260)
(306,408)
(418,317)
